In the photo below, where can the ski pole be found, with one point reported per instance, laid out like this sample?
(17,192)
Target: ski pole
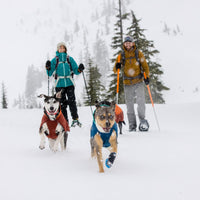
(152,102)
(87,92)
(48,82)
(118,60)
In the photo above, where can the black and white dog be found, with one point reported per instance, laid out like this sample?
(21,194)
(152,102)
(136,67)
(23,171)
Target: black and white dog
(53,124)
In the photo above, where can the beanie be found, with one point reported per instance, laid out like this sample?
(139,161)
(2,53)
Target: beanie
(128,39)
(61,44)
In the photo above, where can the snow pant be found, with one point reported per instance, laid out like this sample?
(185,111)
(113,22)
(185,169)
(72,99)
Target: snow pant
(70,100)
(133,92)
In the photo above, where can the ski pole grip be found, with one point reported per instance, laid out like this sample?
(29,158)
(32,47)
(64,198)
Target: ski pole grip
(119,58)
(145,76)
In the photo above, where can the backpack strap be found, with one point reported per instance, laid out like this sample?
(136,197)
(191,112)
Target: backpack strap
(57,61)
(55,74)
(68,61)
(123,57)
(138,60)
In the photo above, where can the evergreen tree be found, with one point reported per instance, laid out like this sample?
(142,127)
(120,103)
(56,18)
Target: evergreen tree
(166,29)
(149,51)
(76,28)
(117,39)
(20,102)
(117,43)
(101,56)
(66,36)
(86,53)
(94,86)
(33,82)
(4,97)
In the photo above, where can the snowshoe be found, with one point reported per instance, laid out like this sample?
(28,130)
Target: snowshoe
(144,125)
(132,129)
(110,160)
(76,123)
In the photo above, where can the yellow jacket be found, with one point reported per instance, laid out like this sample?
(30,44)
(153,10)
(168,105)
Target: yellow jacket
(131,67)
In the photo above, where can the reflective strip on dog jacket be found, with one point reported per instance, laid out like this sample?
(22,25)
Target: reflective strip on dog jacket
(104,136)
(53,124)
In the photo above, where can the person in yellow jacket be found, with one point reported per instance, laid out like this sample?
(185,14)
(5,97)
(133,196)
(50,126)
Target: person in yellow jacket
(132,70)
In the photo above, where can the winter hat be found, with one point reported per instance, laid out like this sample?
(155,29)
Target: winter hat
(61,44)
(128,39)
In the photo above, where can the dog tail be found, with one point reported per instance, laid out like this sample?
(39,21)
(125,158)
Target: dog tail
(65,139)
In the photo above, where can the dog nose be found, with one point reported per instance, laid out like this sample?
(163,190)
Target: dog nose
(107,124)
(51,108)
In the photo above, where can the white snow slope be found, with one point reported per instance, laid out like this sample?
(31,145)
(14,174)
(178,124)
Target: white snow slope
(149,166)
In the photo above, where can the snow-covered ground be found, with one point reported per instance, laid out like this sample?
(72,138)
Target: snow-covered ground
(149,166)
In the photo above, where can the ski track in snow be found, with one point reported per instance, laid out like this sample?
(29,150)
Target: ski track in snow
(154,165)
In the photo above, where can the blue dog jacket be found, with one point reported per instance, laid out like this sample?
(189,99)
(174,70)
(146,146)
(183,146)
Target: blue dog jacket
(104,136)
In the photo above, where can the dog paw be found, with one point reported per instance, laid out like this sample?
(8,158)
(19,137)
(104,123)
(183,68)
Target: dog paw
(93,155)
(54,149)
(42,147)
(101,171)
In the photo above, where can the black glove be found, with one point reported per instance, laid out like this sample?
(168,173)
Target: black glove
(48,65)
(81,67)
(118,66)
(146,81)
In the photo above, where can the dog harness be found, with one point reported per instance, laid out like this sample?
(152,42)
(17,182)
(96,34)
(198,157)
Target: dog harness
(53,124)
(104,136)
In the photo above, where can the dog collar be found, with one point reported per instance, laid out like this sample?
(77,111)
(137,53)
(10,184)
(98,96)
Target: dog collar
(104,105)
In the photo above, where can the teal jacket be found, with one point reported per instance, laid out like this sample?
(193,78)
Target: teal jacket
(63,70)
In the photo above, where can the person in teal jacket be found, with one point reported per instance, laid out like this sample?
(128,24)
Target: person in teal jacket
(63,67)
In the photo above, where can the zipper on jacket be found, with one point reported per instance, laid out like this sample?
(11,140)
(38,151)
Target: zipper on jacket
(64,70)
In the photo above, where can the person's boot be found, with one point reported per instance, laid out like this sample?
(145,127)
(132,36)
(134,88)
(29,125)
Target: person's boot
(76,122)
(132,128)
(144,125)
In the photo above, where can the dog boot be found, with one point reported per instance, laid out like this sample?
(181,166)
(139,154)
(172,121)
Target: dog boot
(110,160)
(76,122)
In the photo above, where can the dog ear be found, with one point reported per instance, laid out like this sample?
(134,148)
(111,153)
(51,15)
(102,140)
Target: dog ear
(58,94)
(97,104)
(112,104)
(42,95)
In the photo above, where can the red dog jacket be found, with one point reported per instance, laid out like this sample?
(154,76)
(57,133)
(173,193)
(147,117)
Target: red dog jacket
(53,124)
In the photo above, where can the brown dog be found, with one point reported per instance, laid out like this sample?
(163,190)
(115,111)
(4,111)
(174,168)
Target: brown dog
(119,117)
(104,133)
